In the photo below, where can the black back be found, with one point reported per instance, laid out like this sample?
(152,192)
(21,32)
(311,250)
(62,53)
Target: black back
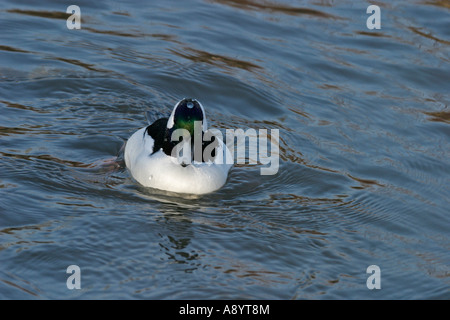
(158,131)
(162,138)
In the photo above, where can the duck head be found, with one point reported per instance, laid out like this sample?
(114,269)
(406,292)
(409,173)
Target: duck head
(184,115)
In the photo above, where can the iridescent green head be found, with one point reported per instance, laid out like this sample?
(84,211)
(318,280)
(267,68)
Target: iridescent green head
(185,114)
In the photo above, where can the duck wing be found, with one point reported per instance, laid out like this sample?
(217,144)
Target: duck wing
(157,131)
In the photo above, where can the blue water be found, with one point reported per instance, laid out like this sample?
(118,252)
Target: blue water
(364,150)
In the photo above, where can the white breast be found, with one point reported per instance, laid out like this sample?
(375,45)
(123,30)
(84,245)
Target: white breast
(163,172)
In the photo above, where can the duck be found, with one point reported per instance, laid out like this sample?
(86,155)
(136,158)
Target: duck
(153,156)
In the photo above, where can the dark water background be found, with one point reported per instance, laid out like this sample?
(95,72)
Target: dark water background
(364,149)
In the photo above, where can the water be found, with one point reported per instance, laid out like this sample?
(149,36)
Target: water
(364,131)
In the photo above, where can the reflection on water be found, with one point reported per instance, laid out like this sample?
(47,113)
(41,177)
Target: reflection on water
(199,56)
(274,8)
(363,178)
(440,116)
(40,13)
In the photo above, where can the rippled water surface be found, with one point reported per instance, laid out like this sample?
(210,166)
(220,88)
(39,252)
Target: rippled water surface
(364,149)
